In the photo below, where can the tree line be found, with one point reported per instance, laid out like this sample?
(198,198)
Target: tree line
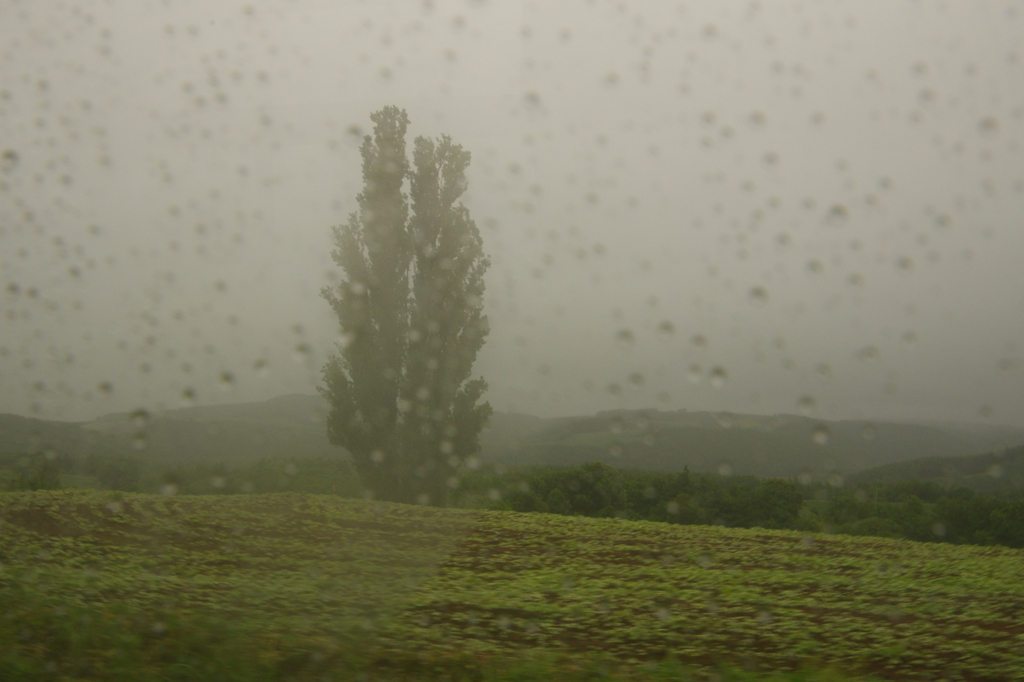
(915,510)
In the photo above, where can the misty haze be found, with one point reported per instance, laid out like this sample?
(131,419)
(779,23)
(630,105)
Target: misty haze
(498,301)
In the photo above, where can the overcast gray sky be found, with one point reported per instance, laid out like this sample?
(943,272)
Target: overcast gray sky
(759,207)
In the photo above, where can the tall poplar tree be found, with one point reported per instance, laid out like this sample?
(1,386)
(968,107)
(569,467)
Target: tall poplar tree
(410,305)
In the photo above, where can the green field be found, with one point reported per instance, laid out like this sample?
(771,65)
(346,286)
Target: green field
(288,586)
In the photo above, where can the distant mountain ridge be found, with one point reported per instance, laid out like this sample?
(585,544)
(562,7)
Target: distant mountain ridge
(779,445)
(986,473)
(295,425)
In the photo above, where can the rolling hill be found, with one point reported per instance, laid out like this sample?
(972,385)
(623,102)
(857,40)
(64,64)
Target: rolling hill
(773,446)
(294,426)
(988,473)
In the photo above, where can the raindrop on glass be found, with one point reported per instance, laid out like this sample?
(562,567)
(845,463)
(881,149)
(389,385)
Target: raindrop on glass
(8,160)
(139,418)
(694,373)
(758,295)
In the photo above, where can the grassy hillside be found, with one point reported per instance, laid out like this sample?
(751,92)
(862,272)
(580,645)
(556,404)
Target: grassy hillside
(104,586)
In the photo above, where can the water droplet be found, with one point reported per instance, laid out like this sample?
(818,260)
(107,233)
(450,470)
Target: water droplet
(835,480)
(494,494)
(869,432)
(995,470)
(823,370)
(758,295)
(909,338)
(105,387)
(616,425)
(614,389)
(939,529)
(169,489)
(625,337)
(725,469)
(188,395)
(8,160)
(986,411)
(139,418)
(805,478)
(666,328)
(218,482)
(820,435)
(377,456)
(905,263)
(695,373)
(867,353)
(989,124)
(615,449)
(672,508)
(1006,364)
(699,340)
(806,404)
(838,212)
(717,375)
(423,499)
(637,379)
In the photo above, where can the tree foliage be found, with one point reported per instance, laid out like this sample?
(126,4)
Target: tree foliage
(410,305)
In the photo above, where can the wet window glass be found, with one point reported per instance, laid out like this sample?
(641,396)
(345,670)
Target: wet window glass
(652,274)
